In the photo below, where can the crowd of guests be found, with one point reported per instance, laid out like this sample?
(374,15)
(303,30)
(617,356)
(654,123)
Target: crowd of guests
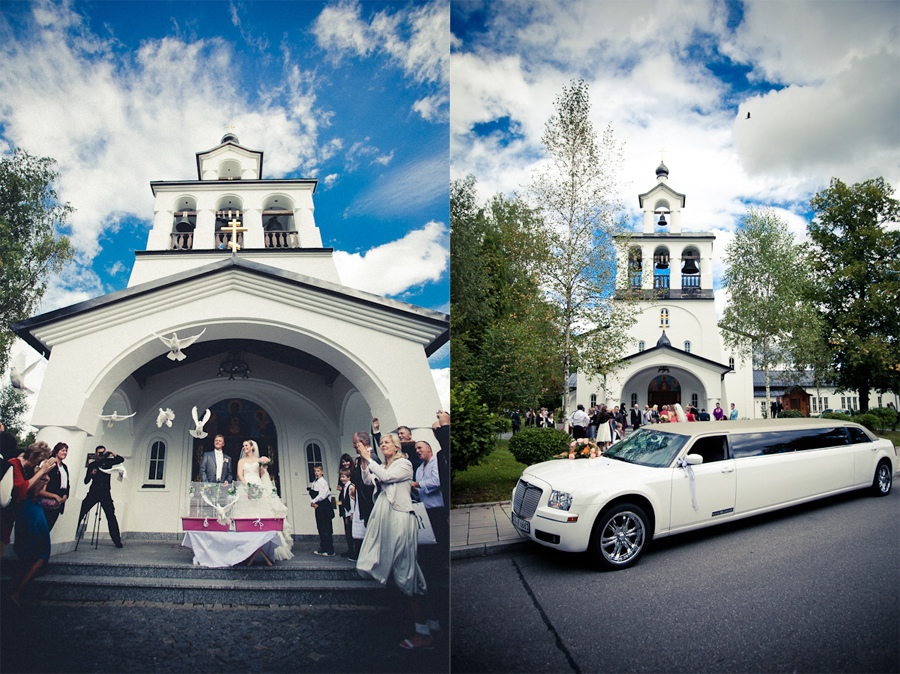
(375,497)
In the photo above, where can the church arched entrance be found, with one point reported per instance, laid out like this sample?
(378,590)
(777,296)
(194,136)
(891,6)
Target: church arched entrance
(237,420)
(664,389)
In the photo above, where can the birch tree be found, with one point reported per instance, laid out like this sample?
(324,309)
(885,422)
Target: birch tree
(575,193)
(764,277)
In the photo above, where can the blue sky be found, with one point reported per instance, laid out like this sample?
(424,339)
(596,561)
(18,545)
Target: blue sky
(353,94)
(819,78)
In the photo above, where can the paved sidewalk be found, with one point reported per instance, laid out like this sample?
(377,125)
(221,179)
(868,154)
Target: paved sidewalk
(482,529)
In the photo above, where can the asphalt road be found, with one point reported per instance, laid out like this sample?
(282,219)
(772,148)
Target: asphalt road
(815,588)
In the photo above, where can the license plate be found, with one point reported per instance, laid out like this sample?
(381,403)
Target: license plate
(522,525)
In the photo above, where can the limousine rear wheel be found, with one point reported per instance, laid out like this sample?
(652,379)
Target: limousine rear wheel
(620,536)
(883,479)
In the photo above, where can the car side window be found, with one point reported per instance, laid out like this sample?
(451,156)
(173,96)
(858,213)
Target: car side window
(758,444)
(858,435)
(711,448)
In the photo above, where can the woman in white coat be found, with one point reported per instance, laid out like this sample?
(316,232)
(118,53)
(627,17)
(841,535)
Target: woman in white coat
(390,546)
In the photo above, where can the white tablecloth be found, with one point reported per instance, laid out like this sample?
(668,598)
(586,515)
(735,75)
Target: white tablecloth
(227,548)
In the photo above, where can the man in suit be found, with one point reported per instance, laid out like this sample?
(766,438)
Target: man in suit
(215,466)
(636,417)
(99,491)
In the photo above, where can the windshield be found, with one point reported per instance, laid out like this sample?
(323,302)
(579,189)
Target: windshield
(647,448)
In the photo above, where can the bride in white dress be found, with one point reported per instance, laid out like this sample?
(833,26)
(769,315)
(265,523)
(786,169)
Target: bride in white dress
(257,497)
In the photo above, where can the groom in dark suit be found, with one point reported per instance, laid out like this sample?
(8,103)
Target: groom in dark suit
(215,466)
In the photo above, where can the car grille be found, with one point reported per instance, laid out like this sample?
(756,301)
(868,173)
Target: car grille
(526,499)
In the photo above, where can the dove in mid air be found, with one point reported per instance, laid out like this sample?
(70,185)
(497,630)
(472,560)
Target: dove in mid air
(18,372)
(119,471)
(114,417)
(176,345)
(165,417)
(199,423)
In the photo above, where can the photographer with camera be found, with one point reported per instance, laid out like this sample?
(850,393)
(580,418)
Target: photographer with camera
(99,492)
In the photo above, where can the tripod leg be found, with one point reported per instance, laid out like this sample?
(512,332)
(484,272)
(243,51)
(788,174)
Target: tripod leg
(82,526)
(95,537)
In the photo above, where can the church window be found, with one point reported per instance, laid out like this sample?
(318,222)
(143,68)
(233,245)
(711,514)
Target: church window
(879,401)
(640,346)
(633,399)
(664,318)
(183,224)
(230,170)
(593,399)
(278,223)
(731,363)
(635,268)
(313,457)
(825,403)
(661,268)
(694,399)
(687,347)
(157,464)
(690,268)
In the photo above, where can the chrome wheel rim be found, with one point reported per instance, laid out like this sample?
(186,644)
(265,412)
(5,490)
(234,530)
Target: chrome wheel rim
(884,479)
(622,538)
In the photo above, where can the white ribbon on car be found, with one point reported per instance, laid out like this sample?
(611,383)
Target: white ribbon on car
(689,470)
(221,511)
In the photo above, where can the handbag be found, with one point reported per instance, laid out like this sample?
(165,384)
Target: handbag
(49,503)
(6,488)
(423,522)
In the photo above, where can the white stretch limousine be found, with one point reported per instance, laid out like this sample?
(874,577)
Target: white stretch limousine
(669,478)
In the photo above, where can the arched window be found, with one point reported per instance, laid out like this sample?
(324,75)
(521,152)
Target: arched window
(183,224)
(635,268)
(640,346)
(593,399)
(278,223)
(661,268)
(731,363)
(228,211)
(694,400)
(687,347)
(633,399)
(313,458)
(157,464)
(664,318)
(690,268)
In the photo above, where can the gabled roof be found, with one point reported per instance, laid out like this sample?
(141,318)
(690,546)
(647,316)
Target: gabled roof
(665,188)
(705,362)
(230,139)
(437,323)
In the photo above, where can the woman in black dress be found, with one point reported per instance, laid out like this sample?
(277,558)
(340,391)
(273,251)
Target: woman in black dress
(53,497)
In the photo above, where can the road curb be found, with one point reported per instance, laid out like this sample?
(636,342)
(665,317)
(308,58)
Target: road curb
(485,549)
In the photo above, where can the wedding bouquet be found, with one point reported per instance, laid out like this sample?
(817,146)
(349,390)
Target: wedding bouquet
(584,448)
(264,461)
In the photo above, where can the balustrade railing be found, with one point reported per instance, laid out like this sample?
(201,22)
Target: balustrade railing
(185,240)
(181,240)
(289,239)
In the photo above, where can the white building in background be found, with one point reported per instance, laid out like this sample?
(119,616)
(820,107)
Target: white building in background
(678,354)
(287,355)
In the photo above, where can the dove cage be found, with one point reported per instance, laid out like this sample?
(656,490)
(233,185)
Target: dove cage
(208,507)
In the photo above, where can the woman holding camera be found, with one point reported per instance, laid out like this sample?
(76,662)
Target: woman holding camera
(21,466)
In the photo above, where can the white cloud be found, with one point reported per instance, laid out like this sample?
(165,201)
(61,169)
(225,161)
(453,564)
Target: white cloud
(441,378)
(392,268)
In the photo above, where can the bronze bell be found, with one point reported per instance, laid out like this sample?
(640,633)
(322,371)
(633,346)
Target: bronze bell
(662,220)
(690,266)
(184,225)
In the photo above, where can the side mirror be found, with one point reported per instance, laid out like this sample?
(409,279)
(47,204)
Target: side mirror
(694,459)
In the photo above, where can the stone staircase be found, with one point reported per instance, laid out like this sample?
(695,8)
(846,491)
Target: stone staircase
(163,572)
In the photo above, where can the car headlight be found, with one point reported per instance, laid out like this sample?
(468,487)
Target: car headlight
(560,500)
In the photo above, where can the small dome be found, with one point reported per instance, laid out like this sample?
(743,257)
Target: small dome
(663,340)
(661,170)
(230,137)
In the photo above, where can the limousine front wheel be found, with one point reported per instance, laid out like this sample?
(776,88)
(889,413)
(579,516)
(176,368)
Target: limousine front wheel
(620,536)
(883,478)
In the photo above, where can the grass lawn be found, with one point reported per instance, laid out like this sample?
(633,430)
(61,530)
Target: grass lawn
(893,436)
(489,482)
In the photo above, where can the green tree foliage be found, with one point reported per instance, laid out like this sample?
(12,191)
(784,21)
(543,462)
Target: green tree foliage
(533,445)
(12,409)
(575,195)
(503,330)
(31,246)
(474,435)
(764,277)
(854,260)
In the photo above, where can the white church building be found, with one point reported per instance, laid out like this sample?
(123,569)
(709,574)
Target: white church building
(286,354)
(678,352)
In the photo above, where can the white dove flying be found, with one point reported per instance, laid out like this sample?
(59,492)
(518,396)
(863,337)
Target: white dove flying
(114,417)
(165,416)
(199,423)
(18,372)
(119,471)
(176,345)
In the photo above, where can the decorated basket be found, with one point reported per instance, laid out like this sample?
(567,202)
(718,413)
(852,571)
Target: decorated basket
(258,523)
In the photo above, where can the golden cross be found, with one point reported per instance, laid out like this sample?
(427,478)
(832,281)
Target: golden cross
(233,228)
(229,127)
(662,152)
